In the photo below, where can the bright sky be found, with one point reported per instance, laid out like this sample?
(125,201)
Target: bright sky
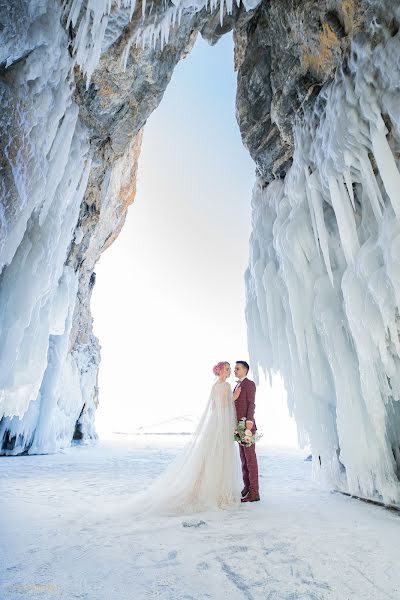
(169,296)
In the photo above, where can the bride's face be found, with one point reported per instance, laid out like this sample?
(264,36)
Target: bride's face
(226,371)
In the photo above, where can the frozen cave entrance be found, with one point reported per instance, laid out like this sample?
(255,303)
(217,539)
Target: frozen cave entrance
(194,214)
(322,284)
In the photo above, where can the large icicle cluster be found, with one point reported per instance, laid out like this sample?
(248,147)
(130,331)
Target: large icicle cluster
(159,29)
(47,151)
(323,284)
(99,22)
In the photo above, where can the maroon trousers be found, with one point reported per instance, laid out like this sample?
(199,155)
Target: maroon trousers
(249,467)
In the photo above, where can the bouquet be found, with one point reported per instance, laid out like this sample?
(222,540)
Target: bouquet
(244,436)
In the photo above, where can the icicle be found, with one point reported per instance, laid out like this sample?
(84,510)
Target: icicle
(316,201)
(73,12)
(345,220)
(387,166)
(221,12)
(369,180)
(311,209)
(347,179)
(132,9)
(126,52)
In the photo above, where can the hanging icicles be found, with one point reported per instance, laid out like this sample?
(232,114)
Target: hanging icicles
(323,286)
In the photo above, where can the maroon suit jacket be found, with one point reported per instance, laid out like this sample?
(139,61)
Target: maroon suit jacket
(245,404)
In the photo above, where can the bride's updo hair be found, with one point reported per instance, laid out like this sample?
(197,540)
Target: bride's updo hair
(217,370)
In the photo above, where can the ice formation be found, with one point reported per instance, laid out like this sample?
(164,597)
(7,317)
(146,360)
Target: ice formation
(48,154)
(323,283)
(95,23)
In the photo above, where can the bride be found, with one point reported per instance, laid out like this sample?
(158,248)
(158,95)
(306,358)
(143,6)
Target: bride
(206,475)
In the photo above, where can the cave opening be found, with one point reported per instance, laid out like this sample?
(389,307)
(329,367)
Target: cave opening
(169,299)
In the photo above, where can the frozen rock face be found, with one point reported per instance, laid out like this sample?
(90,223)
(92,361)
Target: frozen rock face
(323,284)
(317,105)
(45,167)
(284,56)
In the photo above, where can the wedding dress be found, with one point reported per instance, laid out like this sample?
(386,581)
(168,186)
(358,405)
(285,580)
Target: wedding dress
(206,475)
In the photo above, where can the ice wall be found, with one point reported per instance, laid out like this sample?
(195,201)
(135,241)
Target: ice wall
(323,283)
(46,152)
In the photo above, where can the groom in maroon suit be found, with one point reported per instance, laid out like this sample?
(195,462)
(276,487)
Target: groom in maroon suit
(245,406)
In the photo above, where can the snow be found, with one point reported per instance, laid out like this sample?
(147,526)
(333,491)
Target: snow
(323,285)
(62,537)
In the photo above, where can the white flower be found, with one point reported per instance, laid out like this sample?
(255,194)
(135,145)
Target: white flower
(248,432)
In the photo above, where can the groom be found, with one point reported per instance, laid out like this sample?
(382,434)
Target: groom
(245,406)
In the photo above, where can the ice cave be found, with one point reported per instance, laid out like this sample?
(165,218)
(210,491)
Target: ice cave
(318,90)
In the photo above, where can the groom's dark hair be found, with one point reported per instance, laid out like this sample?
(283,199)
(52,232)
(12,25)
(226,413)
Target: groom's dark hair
(244,363)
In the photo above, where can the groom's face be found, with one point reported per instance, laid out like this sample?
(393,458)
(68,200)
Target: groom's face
(240,371)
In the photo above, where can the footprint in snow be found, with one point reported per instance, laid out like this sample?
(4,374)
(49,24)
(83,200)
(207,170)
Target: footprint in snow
(194,524)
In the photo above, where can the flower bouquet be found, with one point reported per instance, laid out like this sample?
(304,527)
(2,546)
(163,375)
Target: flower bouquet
(244,436)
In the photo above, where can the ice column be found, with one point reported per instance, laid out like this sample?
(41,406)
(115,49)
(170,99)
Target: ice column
(47,164)
(323,283)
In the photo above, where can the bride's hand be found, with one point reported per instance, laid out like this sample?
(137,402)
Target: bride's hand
(236,393)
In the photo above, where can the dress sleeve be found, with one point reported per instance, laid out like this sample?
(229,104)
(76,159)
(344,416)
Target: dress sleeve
(225,395)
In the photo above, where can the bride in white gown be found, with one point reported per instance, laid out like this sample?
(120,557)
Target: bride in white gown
(206,475)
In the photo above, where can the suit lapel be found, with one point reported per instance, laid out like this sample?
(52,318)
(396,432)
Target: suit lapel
(240,384)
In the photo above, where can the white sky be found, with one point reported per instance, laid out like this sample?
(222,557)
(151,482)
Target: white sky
(169,296)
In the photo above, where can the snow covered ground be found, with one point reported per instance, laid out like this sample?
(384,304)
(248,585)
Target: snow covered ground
(58,540)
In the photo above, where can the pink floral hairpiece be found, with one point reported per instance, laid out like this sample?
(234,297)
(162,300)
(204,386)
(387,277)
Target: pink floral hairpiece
(217,370)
